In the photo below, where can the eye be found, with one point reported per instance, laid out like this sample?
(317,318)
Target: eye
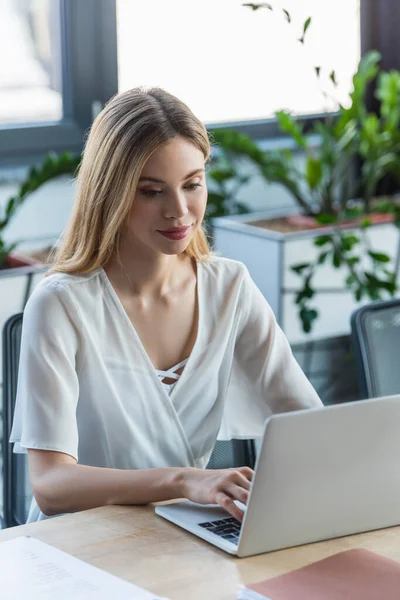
(193,186)
(150,192)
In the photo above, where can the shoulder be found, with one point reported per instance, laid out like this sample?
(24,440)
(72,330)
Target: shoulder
(225,270)
(63,284)
(59,294)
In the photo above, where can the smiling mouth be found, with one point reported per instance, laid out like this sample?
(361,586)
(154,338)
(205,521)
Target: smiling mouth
(175,233)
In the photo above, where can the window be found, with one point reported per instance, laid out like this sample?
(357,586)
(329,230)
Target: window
(57,69)
(230,64)
(30,72)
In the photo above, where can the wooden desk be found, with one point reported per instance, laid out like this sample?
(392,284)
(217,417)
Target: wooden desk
(135,544)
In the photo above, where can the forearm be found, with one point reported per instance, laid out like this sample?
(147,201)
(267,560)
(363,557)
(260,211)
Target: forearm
(73,487)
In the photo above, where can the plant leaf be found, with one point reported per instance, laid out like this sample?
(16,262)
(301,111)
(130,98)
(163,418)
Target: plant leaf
(313,171)
(307,316)
(336,259)
(241,208)
(322,257)
(353,260)
(321,240)
(237,143)
(379,256)
(366,222)
(348,240)
(359,293)
(326,219)
(287,15)
(222,174)
(254,6)
(11,206)
(289,125)
(351,279)
(300,267)
(306,25)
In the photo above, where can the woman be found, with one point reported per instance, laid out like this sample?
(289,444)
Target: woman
(140,347)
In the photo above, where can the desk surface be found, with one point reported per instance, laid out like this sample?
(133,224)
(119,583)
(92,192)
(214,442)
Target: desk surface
(135,544)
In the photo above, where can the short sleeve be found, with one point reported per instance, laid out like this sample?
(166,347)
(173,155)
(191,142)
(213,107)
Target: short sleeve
(48,388)
(266,377)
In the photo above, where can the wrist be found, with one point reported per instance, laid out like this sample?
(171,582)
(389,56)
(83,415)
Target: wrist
(180,479)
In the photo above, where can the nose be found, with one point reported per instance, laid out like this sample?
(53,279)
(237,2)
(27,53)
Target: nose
(176,206)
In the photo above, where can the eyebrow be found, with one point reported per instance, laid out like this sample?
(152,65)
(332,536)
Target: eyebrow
(188,176)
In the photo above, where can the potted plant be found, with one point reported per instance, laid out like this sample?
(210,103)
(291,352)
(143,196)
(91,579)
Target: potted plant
(337,202)
(53,166)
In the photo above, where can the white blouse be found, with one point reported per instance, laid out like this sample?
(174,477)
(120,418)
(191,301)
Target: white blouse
(87,387)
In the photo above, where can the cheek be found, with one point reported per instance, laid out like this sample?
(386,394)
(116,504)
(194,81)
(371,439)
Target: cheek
(199,204)
(140,214)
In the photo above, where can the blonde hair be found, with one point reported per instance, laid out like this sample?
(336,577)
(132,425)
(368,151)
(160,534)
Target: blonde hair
(122,138)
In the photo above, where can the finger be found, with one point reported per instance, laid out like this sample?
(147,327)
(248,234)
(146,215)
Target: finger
(238,493)
(229,505)
(246,472)
(242,481)
(237,478)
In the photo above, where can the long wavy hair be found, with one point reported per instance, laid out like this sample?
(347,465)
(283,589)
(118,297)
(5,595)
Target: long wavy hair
(123,136)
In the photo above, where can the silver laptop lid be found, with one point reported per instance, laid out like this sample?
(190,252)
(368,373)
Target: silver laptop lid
(324,473)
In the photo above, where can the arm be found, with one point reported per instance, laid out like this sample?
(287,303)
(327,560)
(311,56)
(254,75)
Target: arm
(61,485)
(264,359)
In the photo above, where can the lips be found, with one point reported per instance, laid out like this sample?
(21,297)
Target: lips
(175,233)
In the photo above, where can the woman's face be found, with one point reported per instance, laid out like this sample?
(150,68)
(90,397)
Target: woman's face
(170,199)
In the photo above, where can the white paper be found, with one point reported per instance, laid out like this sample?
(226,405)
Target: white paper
(33,570)
(247,594)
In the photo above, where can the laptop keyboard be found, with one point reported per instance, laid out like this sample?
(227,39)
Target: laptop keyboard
(228,528)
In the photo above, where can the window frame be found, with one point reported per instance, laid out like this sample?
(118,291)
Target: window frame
(379,27)
(261,129)
(90,77)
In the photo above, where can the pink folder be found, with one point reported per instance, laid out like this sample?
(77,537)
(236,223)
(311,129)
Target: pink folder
(351,575)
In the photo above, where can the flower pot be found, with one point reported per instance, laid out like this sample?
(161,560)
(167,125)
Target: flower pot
(269,246)
(304,222)
(15,259)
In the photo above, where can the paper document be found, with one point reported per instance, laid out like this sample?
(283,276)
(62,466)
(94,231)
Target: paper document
(30,569)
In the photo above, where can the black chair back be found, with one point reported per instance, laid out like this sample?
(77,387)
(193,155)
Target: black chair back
(234,453)
(17,493)
(376,341)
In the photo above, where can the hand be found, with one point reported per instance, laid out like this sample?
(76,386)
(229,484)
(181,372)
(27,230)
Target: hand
(219,486)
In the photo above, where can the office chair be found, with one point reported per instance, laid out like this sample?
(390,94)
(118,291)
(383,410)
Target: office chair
(376,341)
(17,493)
(234,453)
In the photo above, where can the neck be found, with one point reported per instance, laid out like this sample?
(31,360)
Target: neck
(141,273)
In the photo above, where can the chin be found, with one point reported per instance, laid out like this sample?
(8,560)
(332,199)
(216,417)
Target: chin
(175,249)
(171,248)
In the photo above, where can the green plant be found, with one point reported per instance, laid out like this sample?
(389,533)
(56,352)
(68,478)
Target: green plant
(226,181)
(368,273)
(53,166)
(374,141)
(329,187)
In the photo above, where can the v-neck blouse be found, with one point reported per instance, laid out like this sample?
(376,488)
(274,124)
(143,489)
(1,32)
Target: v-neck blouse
(87,387)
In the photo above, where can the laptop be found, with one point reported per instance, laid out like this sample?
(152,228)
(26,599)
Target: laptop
(320,473)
